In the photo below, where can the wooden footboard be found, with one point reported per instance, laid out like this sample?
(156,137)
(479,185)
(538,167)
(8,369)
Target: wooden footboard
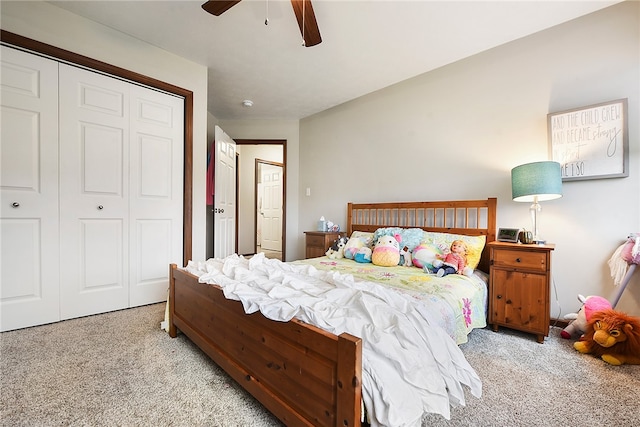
(302,374)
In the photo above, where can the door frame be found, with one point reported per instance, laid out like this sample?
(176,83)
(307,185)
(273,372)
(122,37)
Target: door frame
(35,46)
(283,143)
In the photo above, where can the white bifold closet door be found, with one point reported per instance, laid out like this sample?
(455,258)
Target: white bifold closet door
(156,192)
(121,157)
(29,251)
(91,191)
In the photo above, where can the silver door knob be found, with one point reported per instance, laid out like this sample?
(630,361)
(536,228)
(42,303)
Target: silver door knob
(100,207)
(15,204)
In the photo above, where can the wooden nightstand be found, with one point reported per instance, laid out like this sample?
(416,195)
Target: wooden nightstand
(317,242)
(519,279)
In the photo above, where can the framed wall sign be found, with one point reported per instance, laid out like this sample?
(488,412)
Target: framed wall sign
(591,142)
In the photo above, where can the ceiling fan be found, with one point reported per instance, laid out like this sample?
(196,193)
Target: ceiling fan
(302,8)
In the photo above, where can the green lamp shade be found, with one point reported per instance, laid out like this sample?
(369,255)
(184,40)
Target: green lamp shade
(541,179)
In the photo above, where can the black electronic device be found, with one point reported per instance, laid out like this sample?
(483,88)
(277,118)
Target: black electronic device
(508,235)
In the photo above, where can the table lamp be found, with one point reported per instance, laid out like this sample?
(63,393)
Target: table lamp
(536,182)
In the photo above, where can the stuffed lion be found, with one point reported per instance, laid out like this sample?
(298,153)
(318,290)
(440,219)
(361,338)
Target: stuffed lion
(613,336)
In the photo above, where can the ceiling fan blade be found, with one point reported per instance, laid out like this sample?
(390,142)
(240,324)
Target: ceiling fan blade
(218,7)
(310,32)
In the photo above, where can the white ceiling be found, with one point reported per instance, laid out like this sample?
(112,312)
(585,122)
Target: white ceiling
(366,44)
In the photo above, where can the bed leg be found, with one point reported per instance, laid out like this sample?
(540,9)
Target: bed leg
(173,331)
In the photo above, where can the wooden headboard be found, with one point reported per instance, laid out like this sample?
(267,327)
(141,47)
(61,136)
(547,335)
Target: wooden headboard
(470,217)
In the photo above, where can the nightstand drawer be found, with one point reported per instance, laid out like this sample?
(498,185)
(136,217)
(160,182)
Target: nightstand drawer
(316,240)
(506,258)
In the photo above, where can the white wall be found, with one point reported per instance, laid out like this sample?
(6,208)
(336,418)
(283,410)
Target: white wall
(49,24)
(278,129)
(456,132)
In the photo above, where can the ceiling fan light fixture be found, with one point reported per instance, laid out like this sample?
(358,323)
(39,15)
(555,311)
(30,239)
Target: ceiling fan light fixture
(247,103)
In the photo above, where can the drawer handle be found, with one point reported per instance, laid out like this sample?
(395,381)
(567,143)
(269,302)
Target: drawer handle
(499,297)
(518,260)
(15,204)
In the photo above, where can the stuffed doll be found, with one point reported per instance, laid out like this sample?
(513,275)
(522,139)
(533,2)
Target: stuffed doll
(613,336)
(386,252)
(590,305)
(336,251)
(455,261)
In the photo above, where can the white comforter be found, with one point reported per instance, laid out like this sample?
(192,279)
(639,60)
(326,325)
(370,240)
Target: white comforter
(409,367)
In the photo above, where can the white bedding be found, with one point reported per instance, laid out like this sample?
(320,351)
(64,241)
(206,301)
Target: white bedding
(409,366)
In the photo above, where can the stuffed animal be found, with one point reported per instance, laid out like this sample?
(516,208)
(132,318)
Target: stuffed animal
(613,336)
(405,254)
(425,253)
(336,251)
(627,254)
(386,252)
(590,305)
(363,255)
(623,264)
(354,244)
(631,250)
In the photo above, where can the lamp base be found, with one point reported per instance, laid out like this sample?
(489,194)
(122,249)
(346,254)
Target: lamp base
(534,211)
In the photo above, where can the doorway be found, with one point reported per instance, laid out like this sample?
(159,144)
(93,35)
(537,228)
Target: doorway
(260,157)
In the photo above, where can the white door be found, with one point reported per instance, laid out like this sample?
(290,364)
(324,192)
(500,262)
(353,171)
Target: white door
(29,252)
(94,192)
(156,161)
(271,211)
(224,199)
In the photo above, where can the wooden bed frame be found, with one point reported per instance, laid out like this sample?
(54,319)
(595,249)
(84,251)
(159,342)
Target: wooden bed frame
(302,374)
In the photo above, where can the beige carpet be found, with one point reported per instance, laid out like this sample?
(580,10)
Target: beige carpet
(117,369)
(120,369)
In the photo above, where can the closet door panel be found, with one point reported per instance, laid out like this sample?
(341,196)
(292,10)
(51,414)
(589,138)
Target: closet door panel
(157,150)
(101,245)
(94,192)
(29,245)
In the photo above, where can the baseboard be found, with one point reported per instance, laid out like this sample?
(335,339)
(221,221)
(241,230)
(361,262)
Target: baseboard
(560,323)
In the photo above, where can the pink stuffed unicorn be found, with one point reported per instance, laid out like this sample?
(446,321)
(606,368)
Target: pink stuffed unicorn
(590,305)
